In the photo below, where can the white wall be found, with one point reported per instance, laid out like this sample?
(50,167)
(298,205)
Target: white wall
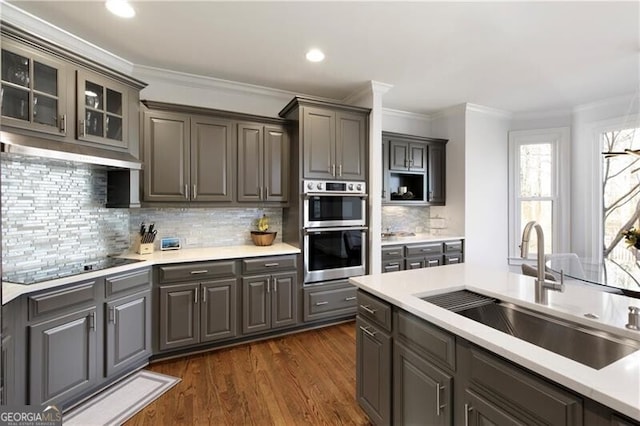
(408,123)
(450,124)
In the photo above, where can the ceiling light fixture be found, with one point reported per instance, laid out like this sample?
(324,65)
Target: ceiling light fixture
(120,8)
(315,55)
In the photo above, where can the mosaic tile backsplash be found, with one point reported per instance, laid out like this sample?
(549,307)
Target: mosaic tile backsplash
(53,215)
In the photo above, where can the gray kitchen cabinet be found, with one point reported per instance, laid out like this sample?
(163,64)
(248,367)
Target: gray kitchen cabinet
(479,411)
(422,393)
(329,300)
(373,371)
(332,137)
(263,163)
(187,158)
(63,356)
(179,316)
(218,310)
(34,90)
(269,301)
(414,170)
(102,106)
(128,331)
(421,255)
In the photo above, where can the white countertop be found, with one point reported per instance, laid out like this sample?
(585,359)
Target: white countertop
(11,291)
(616,385)
(418,238)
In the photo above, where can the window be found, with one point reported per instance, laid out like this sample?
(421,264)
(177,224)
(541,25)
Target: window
(538,187)
(620,198)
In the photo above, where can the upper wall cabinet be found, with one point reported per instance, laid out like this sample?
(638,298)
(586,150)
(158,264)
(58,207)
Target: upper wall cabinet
(263,163)
(414,170)
(333,138)
(191,155)
(49,91)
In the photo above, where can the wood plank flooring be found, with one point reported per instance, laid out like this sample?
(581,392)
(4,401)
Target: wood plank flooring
(303,379)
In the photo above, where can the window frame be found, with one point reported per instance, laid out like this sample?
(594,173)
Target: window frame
(559,138)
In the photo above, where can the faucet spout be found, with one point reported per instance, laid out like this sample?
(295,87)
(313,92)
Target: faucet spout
(542,283)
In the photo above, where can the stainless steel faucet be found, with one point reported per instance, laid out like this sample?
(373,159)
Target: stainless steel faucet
(542,284)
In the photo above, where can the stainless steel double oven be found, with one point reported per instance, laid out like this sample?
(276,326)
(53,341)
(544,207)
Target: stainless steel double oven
(335,232)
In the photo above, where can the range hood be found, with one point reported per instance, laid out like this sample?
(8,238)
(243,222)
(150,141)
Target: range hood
(64,151)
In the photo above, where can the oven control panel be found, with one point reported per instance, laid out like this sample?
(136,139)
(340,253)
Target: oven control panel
(334,187)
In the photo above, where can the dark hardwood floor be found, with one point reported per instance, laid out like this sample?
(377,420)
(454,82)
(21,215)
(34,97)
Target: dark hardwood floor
(302,379)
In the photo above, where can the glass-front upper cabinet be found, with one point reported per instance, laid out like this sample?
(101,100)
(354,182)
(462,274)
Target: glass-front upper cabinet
(33,90)
(102,110)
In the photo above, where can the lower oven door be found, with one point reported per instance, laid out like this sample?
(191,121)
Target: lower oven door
(334,253)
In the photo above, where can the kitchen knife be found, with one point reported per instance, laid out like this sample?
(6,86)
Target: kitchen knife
(143,229)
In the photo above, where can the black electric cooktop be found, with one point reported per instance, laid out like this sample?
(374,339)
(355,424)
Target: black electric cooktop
(67,270)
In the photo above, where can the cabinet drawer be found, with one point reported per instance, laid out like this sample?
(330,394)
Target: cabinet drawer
(197,271)
(374,309)
(429,341)
(261,265)
(58,300)
(328,301)
(127,282)
(392,265)
(452,246)
(524,391)
(450,259)
(389,253)
(423,249)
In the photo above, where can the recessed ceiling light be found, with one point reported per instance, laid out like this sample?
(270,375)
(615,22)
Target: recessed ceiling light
(315,55)
(120,8)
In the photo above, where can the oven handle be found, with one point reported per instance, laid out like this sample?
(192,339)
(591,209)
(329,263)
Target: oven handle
(340,228)
(333,194)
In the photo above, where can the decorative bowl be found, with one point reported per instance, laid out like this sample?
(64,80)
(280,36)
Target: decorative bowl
(263,238)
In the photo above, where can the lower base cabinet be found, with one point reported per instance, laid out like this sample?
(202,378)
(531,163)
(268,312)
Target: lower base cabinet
(373,371)
(63,357)
(324,301)
(479,411)
(194,313)
(269,301)
(422,393)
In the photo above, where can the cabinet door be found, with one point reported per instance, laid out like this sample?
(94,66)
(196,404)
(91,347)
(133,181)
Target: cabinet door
(250,162)
(62,357)
(482,412)
(212,159)
(102,110)
(179,315)
(276,164)
(319,127)
(399,155)
(284,297)
(33,90)
(128,331)
(218,310)
(436,174)
(166,156)
(373,372)
(7,363)
(350,146)
(422,393)
(256,304)
(385,171)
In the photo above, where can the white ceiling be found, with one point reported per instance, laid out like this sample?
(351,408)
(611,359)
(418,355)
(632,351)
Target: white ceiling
(515,56)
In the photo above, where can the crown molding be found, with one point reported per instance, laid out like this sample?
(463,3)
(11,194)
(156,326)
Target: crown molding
(389,112)
(540,115)
(449,111)
(55,35)
(371,87)
(629,99)
(488,110)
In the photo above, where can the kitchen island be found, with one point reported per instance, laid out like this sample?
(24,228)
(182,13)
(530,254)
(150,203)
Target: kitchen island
(616,386)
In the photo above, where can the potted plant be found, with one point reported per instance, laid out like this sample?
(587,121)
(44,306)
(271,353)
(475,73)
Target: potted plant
(262,237)
(632,237)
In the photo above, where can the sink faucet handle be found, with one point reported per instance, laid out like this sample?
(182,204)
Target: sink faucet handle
(634,318)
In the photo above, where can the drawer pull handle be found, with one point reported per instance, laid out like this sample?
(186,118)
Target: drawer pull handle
(393,264)
(427,250)
(321,303)
(112,315)
(269,265)
(201,271)
(454,259)
(368,309)
(204,295)
(433,262)
(268,285)
(393,253)
(92,321)
(467,409)
(367,331)
(348,299)
(195,296)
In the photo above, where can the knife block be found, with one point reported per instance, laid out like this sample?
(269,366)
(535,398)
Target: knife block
(143,248)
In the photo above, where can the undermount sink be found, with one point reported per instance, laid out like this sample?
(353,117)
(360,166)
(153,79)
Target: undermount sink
(586,345)
(397,234)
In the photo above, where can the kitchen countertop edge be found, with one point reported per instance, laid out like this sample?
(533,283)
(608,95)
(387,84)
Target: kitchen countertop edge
(615,386)
(11,291)
(418,238)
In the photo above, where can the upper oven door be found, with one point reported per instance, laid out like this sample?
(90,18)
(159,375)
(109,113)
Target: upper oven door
(323,210)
